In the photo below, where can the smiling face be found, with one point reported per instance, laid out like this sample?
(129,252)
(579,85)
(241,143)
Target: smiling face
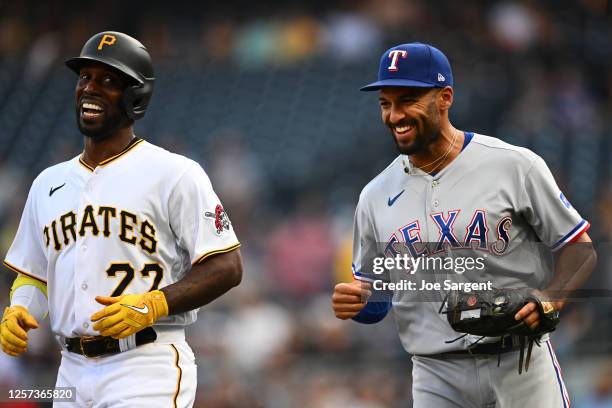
(98,101)
(412,115)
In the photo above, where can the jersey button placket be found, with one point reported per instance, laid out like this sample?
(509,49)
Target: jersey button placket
(428,227)
(436,202)
(81,248)
(90,185)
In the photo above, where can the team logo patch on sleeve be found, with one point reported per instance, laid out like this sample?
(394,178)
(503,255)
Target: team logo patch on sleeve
(565,201)
(222,221)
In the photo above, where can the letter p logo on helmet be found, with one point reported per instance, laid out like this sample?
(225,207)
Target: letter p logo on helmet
(107,39)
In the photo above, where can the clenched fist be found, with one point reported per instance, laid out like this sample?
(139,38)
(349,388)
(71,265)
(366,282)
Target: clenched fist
(349,298)
(14,326)
(127,314)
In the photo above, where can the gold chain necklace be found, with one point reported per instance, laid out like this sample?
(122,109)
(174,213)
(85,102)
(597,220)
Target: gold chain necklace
(441,158)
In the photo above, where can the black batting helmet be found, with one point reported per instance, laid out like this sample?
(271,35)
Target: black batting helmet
(127,55)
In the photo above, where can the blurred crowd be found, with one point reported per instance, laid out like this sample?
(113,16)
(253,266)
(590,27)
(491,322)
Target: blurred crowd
(534,73)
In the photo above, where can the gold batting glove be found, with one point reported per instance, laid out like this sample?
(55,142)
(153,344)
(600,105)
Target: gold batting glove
(127,314)
(14,326)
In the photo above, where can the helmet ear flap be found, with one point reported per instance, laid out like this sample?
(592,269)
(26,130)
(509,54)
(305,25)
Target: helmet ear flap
(136,99)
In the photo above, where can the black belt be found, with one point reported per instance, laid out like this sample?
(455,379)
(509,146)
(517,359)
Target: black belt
(97,346)
(503,346)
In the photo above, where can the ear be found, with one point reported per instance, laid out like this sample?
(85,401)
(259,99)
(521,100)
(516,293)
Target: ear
(445,98)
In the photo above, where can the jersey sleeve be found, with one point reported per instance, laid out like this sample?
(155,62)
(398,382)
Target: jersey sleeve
(547,210)
(197,217)
(365,247)
(375,311)
(27,252)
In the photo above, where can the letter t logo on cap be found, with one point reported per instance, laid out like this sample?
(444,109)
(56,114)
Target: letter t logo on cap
(394,55)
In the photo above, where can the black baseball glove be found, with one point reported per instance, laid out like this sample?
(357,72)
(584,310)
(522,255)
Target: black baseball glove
(490,313)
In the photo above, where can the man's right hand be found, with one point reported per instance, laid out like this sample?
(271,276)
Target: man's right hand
(15,323)
(350,298)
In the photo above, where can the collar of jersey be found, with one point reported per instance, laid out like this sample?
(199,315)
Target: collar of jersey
(468,136)
(135,142)
(466,141)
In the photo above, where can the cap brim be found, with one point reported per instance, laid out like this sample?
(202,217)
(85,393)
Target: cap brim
(77,63)
(375,86)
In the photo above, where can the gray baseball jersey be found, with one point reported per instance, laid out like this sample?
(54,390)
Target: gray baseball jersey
(494,201)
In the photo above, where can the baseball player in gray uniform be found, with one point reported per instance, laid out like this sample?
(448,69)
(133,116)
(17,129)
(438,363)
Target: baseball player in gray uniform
(452,191)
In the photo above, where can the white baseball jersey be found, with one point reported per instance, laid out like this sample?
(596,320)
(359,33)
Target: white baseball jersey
(494,200)
(135,223)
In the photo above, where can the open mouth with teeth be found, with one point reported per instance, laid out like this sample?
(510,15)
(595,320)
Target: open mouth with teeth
(91,110)
(403,131)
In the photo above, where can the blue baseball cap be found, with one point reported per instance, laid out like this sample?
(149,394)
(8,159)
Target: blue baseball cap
(413,64)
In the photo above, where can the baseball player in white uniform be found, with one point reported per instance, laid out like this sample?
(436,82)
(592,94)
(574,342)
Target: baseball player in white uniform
(451,191)
(120,246)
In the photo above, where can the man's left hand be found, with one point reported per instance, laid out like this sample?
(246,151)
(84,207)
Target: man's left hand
(127,314)
(530,315)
